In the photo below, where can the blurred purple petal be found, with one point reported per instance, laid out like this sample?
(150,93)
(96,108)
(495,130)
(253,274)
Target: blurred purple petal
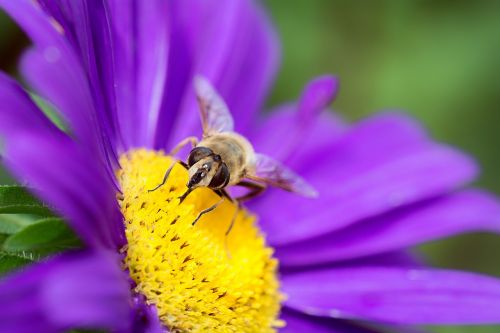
(376,167)
(400,258)
(180,71)
(151,65)
(59,88)
(403,258)
(297,322)
(296,128)
(54,71)
(74,290)
(53,83)
(223,41)
(446,216)
(146,57)
(250,79)
(372,140)
(235,47)
(69,180)
(317,95)
(87,27)
(146,319)
(405,296)
(18,113)
(144,49)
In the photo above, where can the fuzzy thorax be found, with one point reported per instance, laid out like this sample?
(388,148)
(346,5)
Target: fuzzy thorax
(198,279)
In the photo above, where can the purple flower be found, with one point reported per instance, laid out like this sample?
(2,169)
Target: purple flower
(120,73)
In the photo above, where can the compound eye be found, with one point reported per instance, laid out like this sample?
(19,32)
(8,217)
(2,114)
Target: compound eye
(197,154)
(221,177)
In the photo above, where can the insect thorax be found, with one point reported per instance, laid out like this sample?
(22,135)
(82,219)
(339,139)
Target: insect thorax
(235,151)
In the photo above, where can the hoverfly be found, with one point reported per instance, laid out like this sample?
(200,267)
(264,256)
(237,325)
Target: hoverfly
(225,158)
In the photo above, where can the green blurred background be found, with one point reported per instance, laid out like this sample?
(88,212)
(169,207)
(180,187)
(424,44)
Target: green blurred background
(438,60)
(435,59)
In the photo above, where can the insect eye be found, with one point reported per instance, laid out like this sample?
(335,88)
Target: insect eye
(221,178)
(197,154)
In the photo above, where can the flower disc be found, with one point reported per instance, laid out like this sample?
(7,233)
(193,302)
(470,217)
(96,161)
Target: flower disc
(199,279)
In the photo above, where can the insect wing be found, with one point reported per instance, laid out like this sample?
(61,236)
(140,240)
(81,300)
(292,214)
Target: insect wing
(274,173)
(215,115)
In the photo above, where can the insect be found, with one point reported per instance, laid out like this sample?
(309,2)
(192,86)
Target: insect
(225,158)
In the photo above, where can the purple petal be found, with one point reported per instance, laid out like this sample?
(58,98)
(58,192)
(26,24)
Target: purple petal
(379,165)
(77,290)
(180,62)
(54,71)
(144,49)
(60,170)
(152,65)
(297,322)
(235,47)
(122,25)
(405,296)
(446,216)
(52,82)
(128,51)
(90,33)
(251,78)
(400,258)
(292,130)
(87,29)
(148,54)
(68,179)
(146,319)
(18,112)
(317,95)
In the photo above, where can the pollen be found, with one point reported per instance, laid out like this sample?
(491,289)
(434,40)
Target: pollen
(199,279)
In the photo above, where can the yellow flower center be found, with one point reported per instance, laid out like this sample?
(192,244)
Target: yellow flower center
(199,279)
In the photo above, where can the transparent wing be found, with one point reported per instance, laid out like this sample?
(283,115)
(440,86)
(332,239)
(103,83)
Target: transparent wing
(215,116)
(272,172)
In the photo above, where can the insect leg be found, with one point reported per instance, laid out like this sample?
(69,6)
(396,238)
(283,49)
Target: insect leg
(190,139)
(231,225)
(164,178)
(207,210)
(255,190)
(223,194)
(233,219)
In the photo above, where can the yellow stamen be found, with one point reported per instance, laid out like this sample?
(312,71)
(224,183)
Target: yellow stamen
(198,279)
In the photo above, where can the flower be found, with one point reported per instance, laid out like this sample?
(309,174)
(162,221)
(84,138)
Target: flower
(119,72)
